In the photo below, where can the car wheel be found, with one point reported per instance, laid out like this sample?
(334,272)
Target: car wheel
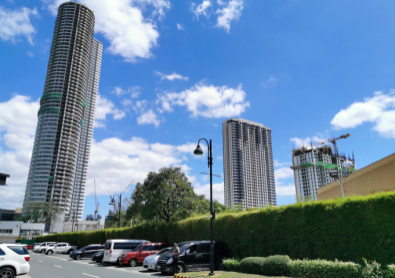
(50,252)
(7,273)
(78,257)
(132,262)
(180,268)
(68,252)
(43,251)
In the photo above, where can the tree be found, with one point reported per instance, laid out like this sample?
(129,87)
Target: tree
(165,196)
(40,212)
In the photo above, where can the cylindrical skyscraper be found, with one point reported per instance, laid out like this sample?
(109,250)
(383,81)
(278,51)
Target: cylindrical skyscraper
(60,118)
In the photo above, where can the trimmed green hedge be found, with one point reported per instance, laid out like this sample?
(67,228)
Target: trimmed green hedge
(276,266)
(345,229)
(324,269)
(252,265)
(232,265)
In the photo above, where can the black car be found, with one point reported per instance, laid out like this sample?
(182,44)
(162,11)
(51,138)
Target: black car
(98,257)
(194,256)
(86,251)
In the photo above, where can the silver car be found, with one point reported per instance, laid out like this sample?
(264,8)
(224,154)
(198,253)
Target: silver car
(150,261)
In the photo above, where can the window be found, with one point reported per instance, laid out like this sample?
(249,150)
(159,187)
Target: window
(20,250)
(2,253)
(6,231)
(148,248)
(108,246)
(124,245)
(204,248)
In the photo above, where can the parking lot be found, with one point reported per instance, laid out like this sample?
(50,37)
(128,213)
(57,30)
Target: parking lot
(61,265)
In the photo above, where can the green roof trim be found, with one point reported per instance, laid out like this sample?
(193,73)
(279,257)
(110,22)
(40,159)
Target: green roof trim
(307,164)
(49,96)
(333,166)
(49,110)
(319,164)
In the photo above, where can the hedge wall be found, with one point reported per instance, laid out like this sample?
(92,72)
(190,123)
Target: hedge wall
(345,229)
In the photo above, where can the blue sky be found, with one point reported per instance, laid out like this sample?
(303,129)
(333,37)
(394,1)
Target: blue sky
(172,71)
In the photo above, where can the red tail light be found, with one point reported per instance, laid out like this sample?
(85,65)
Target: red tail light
(110,251)
(27,259)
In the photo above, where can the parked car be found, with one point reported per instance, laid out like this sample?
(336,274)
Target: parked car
(47,248)
(14,260)
(194,255)
(38,248)
(150,261)
(86,251)
(98,257)
(29,247)
(65,248)
(114,248)
(142,251)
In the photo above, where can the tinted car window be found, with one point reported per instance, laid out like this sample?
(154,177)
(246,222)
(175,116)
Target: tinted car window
(96,247)
(108,246)
(124,245)
(137,248)
(148,248)
(204,248)
(20,250)
(2,253)
(163,251)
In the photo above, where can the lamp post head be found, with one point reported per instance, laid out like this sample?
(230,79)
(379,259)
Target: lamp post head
(198,150)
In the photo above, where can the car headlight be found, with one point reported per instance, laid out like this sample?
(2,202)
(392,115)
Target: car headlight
(169,261)
(124,255)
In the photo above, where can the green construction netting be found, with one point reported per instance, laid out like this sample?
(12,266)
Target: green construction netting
(82,122)
(307,164)
(328,165)
(334,166)
(48,96)
(49,110)
(84,104)
(319,164)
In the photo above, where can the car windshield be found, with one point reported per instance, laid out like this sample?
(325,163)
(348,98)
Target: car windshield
(163,251)
(137,248)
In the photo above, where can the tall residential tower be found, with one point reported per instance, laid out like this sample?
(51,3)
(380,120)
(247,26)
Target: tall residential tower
(248,164)
(64,130)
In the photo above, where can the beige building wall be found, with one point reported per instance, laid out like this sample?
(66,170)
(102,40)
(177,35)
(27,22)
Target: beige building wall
(374,178)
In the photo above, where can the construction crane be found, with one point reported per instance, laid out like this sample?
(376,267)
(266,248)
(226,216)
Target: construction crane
(333,141)
(112,202)
(96,203)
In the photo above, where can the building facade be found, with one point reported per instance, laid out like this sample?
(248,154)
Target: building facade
(78,196)
(312,168)
(59,133)
(248,164)
(12,230)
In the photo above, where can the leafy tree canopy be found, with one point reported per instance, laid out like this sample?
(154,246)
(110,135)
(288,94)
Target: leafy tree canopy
(166,196)
(40,212)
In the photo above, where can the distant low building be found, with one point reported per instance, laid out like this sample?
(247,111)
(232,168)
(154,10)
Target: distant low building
(11,230)
(376,177)
(62,226)
(10,215)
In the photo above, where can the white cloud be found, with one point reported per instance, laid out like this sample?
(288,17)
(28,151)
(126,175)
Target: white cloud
(285,190)
(123,24)
(218,191)
(283,173)
(180,27)
(229,13)
(140,106)
(148,117)
(18,121)
(306,142)
(30,54)
(271,81)
(115,162)
(171,77)
(14,24)
(378,109)
(280,175)
(104,107)
(201,9)
(280,164)
(134,91)
(208,101)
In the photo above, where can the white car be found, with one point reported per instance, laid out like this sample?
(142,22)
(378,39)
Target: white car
(114,248)
(150,261)
(63,247)
(14,260)
(38,248)
(48,250)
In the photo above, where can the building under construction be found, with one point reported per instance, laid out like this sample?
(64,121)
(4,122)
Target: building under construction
(312,168)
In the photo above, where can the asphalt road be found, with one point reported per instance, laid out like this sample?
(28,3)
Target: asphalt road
(61,266)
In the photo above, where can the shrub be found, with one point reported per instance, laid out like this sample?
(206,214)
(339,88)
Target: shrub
(252,265)
(320,229)
(390,271)
(324,269)
(232,265)
(276,266)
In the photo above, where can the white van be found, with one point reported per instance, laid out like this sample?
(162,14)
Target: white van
(114,248)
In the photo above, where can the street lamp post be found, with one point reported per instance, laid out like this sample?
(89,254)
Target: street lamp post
(199,151)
